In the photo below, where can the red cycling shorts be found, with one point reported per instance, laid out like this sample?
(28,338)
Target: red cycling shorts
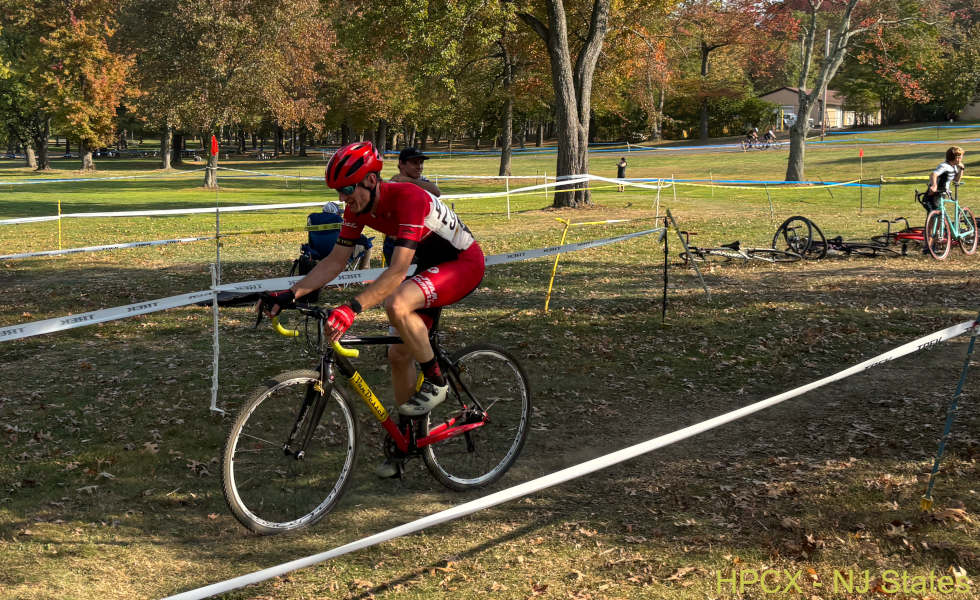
(449,282)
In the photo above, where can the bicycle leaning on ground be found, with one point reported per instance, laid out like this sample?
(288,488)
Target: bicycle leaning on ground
(950,224)
(734,250)
(802,236)
(292,448)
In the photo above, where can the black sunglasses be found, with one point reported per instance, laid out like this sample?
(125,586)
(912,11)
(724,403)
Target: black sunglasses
(347,190)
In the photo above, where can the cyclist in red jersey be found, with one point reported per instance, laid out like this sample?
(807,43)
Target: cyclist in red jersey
(450,265)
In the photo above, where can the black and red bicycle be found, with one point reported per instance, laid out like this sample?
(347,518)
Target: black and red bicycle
(291,451)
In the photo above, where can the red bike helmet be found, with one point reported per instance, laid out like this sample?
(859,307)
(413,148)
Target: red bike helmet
(351,164)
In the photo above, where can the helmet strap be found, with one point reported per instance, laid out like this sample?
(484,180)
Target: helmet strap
(373,191)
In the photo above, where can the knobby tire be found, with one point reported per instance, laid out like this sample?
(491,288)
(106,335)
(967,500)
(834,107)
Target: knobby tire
(481,456)
(270,492)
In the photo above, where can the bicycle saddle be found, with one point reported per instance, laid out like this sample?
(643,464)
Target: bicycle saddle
(733,246)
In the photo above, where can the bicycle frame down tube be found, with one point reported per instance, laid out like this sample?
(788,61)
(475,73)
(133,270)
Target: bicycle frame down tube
(377,409)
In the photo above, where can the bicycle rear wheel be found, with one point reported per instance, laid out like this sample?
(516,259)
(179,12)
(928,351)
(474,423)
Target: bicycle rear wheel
(772,255)
(800,236)
(269,485)
(937,235)
(492,381)
(968,243)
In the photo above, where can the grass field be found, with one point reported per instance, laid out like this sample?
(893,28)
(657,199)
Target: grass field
(110,479)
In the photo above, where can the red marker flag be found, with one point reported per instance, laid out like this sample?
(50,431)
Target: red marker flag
(214,145)
(860,153)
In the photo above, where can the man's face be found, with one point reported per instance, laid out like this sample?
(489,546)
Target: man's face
(359,198)
(411,167)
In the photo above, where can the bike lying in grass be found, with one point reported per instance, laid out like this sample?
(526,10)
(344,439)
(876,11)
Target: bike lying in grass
(733,251)
(905,237)
(291,451)
(802,236)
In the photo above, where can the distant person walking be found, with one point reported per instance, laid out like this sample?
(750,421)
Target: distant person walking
(621,172)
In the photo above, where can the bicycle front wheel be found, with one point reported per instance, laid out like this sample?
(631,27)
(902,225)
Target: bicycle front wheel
(937,235)
(772,255)
(490,380)
(274,478)
(968,243)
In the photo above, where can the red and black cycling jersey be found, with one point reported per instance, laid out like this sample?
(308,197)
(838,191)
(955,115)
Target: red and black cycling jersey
(416,219)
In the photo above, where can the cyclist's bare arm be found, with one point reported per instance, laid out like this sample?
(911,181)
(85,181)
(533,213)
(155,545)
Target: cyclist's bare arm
(389,280)
(933,182)
(325,271)
(425,185)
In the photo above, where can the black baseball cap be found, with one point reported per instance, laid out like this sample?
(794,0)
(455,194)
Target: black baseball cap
(411,154)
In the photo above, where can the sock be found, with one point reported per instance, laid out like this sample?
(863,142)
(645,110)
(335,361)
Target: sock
(431,371)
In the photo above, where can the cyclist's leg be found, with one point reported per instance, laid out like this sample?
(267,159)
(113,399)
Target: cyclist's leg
(441,285)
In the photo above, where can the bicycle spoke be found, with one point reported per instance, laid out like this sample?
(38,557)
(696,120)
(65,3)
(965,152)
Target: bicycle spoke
(493,380)
(269,490)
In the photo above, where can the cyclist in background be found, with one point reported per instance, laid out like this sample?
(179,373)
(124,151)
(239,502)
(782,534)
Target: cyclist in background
(948,171)
(450,265)
(770,136)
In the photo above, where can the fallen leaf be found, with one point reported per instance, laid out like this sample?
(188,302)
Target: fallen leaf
(952,514)
(680,573)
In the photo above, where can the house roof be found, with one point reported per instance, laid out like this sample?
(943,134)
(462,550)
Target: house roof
(833,98)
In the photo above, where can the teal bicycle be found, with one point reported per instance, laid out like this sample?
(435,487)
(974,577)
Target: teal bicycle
(951,224)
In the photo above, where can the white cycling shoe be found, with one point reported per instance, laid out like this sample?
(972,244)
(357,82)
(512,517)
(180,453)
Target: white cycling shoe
(428,397)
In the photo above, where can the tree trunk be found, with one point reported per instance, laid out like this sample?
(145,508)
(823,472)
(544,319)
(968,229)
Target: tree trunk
(573,91)
(795,165)
(30,158)
(539,139)
(254,141)
(166,136)
(242,140)
(381,136)
(67,147)
(41,145)
(659,126)
(507,136)
(177,157)
(507,124)
(85,150)
(302,141)
(344,133)
(280,142)
(425,137)
(705,51)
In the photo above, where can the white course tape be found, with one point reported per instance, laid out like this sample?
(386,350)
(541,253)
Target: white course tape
(106,247)
(366,275)
(573,472)
(571,180)
(16,332)
(85,179)
(166,212)
(261,174)
(631,183)
(530,188)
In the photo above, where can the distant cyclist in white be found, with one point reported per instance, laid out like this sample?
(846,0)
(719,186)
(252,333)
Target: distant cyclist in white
(949,171)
